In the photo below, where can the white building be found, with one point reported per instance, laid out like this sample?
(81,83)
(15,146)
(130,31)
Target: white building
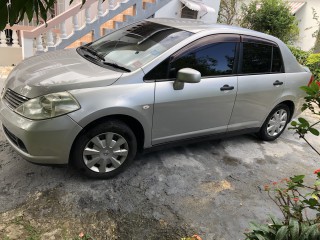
(72,26)
(307,25)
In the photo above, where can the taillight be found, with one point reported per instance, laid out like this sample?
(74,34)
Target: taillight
(311,80)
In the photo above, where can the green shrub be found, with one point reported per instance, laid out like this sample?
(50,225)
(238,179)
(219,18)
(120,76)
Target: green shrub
(272,17)
(279,231)
(313,63)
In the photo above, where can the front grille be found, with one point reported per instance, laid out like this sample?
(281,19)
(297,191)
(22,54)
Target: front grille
(15,140)
(14,99)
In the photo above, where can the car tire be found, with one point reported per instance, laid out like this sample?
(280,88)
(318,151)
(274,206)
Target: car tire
(275,123)
(104,150)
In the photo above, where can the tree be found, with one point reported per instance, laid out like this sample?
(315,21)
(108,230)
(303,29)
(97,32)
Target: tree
(14,11)
(228,12)
(316,34)
(317,43)
(272,17)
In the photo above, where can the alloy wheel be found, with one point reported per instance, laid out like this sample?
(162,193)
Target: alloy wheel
(277,122)
(105,152)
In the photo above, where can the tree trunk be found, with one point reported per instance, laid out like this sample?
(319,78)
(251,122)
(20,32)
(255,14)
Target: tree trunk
(317,43)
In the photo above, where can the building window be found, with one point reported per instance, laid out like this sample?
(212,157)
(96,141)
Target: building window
(188,13)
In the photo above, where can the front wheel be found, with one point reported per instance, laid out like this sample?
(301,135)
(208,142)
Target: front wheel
(275,123)
(105,150)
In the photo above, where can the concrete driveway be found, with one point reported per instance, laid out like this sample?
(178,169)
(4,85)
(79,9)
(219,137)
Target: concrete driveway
(213,189)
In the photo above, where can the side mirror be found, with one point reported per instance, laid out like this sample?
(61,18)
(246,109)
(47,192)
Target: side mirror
(186,75)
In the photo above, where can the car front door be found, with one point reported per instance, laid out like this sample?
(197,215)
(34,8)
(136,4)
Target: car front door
(260,83)
(201,108)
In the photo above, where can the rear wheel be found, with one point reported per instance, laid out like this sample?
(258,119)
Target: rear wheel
(275,123)
(105,150)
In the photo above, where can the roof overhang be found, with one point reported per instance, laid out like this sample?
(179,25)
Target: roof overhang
(197,5)
(295,6)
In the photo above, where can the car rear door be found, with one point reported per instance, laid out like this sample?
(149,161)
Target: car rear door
(261,82)
(201,108)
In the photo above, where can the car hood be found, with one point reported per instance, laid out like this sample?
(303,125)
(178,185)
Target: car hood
(56,72)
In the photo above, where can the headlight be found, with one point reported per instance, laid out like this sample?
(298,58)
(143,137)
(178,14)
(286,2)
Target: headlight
(48,106)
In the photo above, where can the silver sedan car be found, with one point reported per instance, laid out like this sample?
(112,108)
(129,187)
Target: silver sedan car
(151,83)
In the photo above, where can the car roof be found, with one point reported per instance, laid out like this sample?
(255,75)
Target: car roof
(196,26)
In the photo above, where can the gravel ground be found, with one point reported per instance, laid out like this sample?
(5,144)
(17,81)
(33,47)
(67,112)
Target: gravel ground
(213,189)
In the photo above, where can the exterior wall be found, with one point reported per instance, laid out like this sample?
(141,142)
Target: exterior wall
(173,10)
(307,24)
(13,55)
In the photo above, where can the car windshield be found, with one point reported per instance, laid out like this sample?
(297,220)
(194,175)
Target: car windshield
(134,46)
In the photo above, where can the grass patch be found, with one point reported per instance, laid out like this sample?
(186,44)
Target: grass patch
(32,232)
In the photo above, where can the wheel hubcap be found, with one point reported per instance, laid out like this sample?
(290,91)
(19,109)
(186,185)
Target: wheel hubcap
(105,152)
(277,122)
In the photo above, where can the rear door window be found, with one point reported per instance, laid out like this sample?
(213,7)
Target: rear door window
(260,56)
(257,58)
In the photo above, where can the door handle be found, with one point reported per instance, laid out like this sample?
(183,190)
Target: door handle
(277,83)
(226,88)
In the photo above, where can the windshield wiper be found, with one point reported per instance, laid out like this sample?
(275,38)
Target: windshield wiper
(116,66)
(93,52)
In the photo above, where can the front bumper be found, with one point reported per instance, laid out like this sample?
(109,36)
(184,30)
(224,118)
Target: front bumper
(42,142)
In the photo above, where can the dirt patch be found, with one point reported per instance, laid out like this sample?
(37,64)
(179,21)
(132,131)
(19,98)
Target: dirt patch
(216,187)
(45,217)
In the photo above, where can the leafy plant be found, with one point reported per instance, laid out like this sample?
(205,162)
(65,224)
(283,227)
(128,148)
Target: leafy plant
(316,34)
(228,12)
(312,103)
(293,198)
(271,17)
(313,62)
